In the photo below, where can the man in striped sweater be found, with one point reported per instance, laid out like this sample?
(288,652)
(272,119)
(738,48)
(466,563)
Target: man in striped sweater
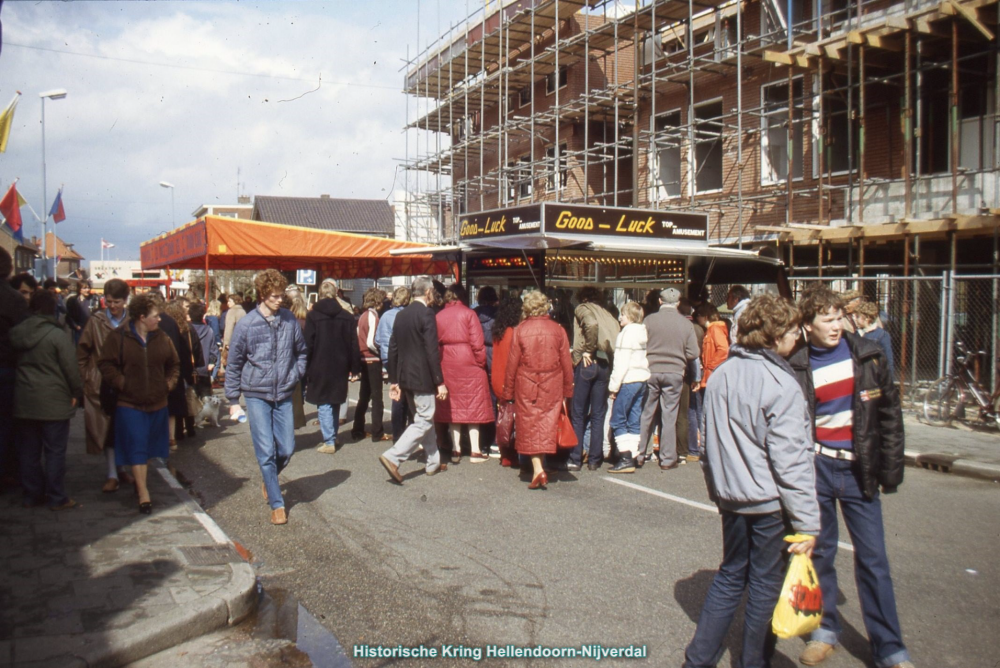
(858,434)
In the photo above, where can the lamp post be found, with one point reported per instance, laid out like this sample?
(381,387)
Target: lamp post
(55,94)
(164,184)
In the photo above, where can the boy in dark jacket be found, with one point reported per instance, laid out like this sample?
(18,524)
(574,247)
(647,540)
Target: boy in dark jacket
(858,433)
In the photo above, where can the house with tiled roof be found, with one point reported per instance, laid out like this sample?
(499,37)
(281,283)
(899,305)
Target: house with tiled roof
(360,216)
(69,259)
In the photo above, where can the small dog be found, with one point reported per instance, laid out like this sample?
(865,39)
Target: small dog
(209,411)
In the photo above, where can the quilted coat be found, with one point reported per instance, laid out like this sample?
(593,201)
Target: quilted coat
(266,360)
(463,363)
(539,375)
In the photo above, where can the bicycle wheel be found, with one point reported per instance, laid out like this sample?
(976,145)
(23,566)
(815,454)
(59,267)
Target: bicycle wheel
(941,402)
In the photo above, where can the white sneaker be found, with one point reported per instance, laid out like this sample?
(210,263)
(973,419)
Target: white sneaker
(495,451)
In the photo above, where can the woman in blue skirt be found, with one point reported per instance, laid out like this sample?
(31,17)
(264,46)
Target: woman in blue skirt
(142,364)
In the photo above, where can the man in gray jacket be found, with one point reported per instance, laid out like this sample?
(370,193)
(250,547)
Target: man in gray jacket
(759,471)
(670,345)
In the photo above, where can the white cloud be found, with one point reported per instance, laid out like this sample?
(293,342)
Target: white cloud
(126,124)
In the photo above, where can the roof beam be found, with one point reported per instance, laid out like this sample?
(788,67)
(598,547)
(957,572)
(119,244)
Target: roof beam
(953,8)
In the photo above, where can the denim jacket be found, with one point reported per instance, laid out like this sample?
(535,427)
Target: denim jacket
(266,360)
(384,332)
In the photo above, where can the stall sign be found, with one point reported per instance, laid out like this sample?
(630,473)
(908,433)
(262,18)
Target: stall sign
(176,247)
(500,223)
(561,219)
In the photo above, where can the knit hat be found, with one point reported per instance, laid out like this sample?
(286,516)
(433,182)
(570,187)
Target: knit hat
(670,295)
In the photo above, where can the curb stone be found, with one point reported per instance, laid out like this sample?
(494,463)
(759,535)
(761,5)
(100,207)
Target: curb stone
(952,464)
(227,606)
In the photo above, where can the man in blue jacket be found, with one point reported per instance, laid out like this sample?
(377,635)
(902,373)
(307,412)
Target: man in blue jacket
(383,334)
(267,359)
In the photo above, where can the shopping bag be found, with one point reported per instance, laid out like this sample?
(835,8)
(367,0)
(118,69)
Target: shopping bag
(505,422)
(565,434)
(800,606)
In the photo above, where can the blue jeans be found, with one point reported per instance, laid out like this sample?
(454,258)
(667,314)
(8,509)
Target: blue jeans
(35,438)
(273,433)
(329,420)
(626,415)
(590,389)
(8,448)
(836,479)
(752,560)
(696,407)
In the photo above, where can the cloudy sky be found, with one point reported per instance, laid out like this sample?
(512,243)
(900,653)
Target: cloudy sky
(302,98)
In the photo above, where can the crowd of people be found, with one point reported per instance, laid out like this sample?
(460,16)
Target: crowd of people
(790,409)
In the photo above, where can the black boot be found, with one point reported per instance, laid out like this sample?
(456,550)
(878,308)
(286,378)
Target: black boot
(625,465)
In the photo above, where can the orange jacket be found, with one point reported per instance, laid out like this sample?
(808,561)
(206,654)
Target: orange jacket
(714,350)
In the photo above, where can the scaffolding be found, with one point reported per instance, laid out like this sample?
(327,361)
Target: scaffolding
(798,121)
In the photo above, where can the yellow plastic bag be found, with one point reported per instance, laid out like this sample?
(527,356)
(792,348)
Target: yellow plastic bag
(800,607)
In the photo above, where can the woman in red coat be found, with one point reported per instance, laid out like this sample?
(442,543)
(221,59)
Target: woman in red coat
(539,376)
(463,364)
(507,318)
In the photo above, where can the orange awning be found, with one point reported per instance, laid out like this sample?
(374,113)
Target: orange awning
(220,243)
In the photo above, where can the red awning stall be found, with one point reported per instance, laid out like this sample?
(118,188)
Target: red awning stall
(215,242)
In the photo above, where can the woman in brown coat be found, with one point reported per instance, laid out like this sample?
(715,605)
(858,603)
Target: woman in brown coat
(538,378)
(148,370)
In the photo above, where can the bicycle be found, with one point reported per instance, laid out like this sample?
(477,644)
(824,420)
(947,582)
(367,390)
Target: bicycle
(955,396)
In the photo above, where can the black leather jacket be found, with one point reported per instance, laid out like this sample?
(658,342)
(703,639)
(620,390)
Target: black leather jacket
(878,417)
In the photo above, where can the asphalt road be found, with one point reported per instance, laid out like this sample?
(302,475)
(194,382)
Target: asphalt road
(472,558)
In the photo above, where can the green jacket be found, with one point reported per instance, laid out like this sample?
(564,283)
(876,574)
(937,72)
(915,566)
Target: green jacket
(47,377)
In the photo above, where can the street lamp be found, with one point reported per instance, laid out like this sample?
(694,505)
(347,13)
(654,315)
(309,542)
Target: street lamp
(55,94)
(164,184)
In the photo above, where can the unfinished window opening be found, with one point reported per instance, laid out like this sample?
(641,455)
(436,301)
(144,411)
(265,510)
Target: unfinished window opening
(840,123)
(562,78)
(561,170)
(774,137)
(976,104)
(524,96)
(708,147)
(524,184)
(935,121)
(668,139)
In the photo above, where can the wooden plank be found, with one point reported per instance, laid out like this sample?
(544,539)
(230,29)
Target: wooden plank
(972,17)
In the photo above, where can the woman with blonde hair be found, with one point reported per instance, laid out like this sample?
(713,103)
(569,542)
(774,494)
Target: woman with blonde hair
(627,385)
(538,378)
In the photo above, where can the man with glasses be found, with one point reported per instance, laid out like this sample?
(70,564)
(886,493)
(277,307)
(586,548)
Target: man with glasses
(267,359)
(100,433)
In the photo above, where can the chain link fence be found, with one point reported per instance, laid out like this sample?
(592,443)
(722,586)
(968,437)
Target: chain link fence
(925,316)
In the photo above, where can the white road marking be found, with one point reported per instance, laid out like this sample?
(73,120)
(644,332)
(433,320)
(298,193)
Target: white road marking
(688,502)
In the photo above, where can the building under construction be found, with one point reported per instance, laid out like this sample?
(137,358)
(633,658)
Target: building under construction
(850,137)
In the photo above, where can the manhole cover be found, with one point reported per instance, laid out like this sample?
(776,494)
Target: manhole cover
(210,555)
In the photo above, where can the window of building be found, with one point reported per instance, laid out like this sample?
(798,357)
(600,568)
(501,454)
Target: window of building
(774,135)
(524,96)
(774,22)
(840,125)
(561,170)
(708,147)
(523,175)
(550,80)
(668,139)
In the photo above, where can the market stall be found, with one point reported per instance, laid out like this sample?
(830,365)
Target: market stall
(220,243)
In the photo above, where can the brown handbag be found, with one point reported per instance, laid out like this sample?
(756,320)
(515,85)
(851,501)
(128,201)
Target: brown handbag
(505,422)
(565,434)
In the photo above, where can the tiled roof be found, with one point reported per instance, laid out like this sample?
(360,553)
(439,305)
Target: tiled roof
(364,216)
(60,249)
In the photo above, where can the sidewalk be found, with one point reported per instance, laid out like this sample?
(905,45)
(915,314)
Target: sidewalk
(959,450)
(101,584)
